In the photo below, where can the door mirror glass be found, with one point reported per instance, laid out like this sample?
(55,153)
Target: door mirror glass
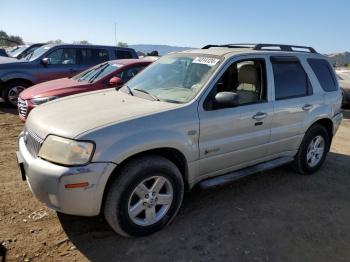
(45,61)
(115,81)
(226,100)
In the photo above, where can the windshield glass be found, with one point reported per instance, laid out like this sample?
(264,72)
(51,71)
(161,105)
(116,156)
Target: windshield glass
(37,52)
(17,51)
(97,72)
(344,76)
(175,78)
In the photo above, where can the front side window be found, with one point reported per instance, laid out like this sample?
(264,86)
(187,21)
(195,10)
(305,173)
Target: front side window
(90,56)
(290,79)
(63,56)
(176,78)
(129,73)
(323,72)
(245,78)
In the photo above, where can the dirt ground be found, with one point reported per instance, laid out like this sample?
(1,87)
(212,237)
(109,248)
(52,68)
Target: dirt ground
(272,216)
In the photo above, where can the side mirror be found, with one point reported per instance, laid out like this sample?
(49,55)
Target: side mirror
(45,61)
(226,99)
(115,81)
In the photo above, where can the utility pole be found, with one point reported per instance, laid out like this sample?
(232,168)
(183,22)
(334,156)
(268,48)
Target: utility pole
(115,34)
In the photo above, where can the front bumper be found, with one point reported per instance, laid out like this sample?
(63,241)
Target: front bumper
(47,182)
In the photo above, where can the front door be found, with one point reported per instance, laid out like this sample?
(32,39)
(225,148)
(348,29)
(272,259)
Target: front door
(234,137)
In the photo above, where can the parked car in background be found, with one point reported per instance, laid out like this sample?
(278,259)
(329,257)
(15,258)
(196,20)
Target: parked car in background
(3,52)
(24,50)
(344,83)
(108,74)
(52,61)
(205,116)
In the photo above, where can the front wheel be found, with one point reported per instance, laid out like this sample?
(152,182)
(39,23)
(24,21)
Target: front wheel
(313,150)
(12,90)
(145,196)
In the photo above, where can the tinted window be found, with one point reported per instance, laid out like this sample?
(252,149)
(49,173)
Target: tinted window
(324,74)
(91,56)
(63,56)
(121,54)
(290,79)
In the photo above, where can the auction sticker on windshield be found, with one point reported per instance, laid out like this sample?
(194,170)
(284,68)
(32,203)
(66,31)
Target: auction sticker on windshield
(206,61)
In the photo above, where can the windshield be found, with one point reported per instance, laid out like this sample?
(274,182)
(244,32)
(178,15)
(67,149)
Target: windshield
(37,52)
(175,78)
(97,72)
(17,51)
(344,76)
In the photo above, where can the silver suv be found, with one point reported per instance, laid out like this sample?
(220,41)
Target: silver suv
(206,116)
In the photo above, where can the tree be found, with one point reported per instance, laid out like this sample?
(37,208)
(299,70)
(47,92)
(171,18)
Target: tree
(122,44)
(82,42)
(153,53)
(10,40)
(57,41)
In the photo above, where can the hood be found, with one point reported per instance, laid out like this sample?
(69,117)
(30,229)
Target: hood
(6,60)
(344,84)
(51,88)
(74,115)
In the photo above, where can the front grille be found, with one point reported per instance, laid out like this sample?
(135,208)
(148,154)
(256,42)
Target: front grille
(33,142)
(22,107)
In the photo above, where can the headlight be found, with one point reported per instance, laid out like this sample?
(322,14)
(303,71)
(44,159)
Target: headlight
(41,100)
(66,151)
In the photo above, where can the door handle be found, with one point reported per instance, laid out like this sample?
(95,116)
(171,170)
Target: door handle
(259,116)
(307,107)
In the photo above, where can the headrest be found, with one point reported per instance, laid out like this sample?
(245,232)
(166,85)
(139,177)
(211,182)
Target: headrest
(247,74)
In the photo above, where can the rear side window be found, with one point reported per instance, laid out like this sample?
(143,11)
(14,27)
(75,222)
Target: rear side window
(290,79)
(92,56)
(122,54)
(323,72)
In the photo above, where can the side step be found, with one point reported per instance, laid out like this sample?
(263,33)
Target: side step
(230,177)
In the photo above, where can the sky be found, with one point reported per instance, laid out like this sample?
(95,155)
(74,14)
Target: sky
(323,24)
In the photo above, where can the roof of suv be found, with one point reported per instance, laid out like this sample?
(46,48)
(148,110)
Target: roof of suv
(235,49)
(88,46)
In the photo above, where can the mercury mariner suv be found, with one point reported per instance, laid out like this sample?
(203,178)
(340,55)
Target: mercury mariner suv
(205,116)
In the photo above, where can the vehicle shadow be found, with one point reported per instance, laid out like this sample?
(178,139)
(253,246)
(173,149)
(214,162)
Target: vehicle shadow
(271,216)
(6,109)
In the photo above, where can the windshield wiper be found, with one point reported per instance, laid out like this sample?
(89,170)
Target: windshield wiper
(147,93)
(97,74)
(127,87)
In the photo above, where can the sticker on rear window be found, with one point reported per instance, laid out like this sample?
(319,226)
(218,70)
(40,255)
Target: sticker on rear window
(206,61)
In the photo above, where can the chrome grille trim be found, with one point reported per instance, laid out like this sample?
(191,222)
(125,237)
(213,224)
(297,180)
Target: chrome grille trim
(22,107)
(33,142)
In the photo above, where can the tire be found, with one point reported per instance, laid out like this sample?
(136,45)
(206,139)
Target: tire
(303,162)
(11,91)
(123,195)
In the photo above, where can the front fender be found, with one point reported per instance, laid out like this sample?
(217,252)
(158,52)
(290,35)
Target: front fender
(147,140)
(17,75)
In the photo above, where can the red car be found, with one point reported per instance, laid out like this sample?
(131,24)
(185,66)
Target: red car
(105,75)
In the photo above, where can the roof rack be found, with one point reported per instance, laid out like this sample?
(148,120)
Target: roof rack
(268,47)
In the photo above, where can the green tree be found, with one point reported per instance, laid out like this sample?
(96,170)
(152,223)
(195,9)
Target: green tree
(57,41)
(10,40)
(122,44)
(82,42)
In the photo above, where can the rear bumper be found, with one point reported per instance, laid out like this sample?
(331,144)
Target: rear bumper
(47,182)
(336,122)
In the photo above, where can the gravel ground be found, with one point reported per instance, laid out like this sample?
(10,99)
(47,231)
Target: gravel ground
(272,216)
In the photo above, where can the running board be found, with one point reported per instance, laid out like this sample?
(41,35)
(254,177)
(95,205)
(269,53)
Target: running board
(230,177)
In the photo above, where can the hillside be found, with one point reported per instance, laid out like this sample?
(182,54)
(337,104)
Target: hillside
(340,59)
(162,49)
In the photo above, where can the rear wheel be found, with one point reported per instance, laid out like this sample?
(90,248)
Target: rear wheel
(145,197)
(313,150)
(12,90)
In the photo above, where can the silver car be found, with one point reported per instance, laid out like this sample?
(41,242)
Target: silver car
(206,116)
(344,83)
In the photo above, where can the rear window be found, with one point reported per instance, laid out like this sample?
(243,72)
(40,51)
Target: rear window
(323,72)
(92,56)
(122,54)
(290,79)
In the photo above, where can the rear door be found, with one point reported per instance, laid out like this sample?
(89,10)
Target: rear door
(231,138)
(294,100)
(89,57)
